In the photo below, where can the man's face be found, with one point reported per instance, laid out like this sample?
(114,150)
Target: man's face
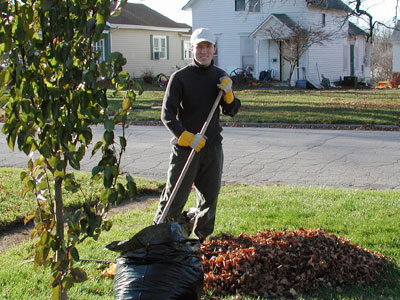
(203,53)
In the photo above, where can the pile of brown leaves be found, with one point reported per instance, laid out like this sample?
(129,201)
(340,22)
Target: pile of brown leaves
(285,264)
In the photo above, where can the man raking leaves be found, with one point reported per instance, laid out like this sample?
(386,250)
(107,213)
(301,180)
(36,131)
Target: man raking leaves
(188,100)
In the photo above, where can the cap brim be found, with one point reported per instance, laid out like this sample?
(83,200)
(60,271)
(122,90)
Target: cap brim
(203,40)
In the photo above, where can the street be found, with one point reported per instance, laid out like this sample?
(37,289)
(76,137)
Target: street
(268,156)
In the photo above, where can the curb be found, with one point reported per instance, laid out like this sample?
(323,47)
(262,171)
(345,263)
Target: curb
(370,127)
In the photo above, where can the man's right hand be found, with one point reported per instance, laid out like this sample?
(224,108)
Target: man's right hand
(188,139)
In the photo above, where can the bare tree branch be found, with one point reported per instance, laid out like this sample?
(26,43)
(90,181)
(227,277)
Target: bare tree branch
(364,14)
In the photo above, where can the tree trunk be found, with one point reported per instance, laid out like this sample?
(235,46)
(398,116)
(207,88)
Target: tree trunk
(59,216)
(291,71)
(59,208)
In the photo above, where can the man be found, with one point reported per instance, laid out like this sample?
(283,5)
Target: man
(188,99)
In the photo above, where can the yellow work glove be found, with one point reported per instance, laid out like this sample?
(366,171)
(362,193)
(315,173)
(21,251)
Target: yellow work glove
(226,85)
(188,139)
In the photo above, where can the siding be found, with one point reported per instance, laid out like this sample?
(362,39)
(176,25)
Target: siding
(327,59)
(135,46)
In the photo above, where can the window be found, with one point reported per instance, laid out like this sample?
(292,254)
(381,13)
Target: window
(240,5)
(159,47)
(187,54)
(215,58)
(254,5)
(247,53)
(99,47)
(323,19)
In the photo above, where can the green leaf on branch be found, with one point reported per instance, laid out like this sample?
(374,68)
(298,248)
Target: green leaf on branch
(131,186)
(126,104)
(70,183)
(109,125)
(29,216)
(11,139)
(59,173)
(96,148)
(68,281)
(79,274)
(96,170)
(108,137)
(100,24)
(74,253)
(122,142)
(112,196)
(108,176)
(105,69)
(107,225)
(53,161)
(121,193)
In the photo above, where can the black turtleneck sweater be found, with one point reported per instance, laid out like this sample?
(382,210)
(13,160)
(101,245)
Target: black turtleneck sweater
(188,99)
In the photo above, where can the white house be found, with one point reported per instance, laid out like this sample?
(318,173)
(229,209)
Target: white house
(395,39)
(242,29)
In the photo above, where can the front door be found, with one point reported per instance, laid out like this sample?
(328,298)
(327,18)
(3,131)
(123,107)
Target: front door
(285,66)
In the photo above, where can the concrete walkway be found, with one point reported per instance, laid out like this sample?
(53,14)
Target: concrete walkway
(301,157)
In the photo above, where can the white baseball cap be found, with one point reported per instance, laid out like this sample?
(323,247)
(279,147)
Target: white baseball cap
(202,35)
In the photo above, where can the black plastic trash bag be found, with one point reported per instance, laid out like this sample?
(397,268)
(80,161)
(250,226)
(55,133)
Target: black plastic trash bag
(158,263)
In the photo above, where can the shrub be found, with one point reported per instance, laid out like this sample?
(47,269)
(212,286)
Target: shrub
(148,76)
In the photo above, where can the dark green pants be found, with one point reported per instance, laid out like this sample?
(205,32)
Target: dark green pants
(205,173)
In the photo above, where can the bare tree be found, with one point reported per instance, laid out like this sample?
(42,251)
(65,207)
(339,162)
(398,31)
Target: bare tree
(381,55)
(296,42)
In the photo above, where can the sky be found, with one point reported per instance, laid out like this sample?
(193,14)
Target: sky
(381,10)
(169,8)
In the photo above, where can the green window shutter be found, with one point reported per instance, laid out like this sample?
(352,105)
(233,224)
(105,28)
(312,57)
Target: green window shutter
(182,49)
(151,47)
(167,47)
(107,47)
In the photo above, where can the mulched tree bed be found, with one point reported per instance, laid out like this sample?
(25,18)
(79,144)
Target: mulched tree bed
(286,263)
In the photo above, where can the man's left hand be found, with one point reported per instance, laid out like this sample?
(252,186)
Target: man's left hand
(226,85)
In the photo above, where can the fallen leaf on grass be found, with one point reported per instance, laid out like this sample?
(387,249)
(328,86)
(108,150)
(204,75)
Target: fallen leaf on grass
(110,271)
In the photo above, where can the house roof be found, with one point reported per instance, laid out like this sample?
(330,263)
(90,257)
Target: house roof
(329,4)
(396,32)
(283,20)
(187,5)
(355,30)
(141,15)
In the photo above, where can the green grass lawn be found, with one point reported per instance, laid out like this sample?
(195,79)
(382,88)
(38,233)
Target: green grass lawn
(367,217)
(366,107)
(339,106)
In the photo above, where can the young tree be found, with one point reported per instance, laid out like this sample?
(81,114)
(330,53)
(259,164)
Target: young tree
(54,99)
